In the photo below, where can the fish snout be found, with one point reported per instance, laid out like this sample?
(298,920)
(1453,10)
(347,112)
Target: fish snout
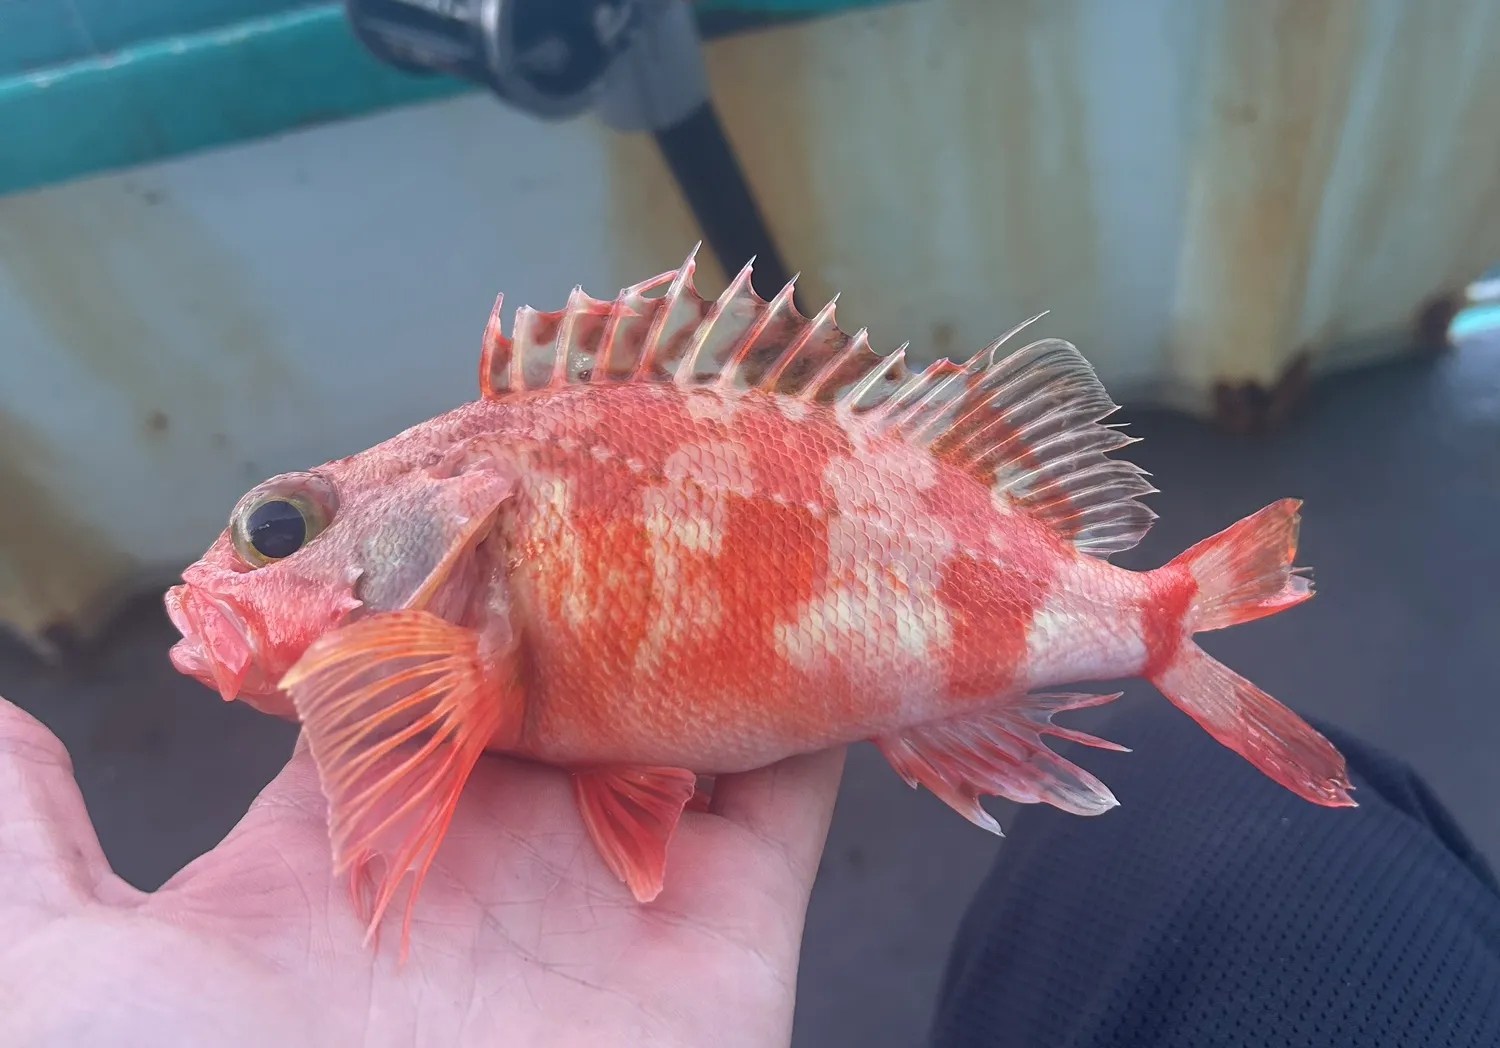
(216,647)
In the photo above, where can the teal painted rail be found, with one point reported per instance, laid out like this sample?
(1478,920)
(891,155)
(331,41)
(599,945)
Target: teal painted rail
(94,85)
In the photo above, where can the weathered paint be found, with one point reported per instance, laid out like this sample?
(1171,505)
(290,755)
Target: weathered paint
(1201,192)
(1340,182)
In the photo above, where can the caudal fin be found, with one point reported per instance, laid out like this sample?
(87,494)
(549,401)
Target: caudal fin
(1243,573)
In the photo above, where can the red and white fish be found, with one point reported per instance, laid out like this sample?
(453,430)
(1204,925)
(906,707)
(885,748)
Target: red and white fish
(678,537)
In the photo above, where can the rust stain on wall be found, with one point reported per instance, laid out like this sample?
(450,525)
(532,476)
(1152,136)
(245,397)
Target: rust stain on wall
(1251,409)
(1430,332)
(1256,185)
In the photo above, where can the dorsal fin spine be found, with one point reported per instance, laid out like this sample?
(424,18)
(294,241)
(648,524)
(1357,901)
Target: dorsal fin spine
(798,344)
(973,367)
(732,367)
(949,371)
(689,365)
(577,303)
(493,342)
(520,333)
(889,366)
(618,311)
(858,344)
(993,349)
(664,313)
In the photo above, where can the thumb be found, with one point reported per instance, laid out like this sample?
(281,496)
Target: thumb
(50,858)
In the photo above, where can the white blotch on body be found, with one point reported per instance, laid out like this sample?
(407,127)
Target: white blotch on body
(685,515)
(792,408)
(709,406)
(1087,627)
(690,507)
(551,529)
(1001,502)
(879,621)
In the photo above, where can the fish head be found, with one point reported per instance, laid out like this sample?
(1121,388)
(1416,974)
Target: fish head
(272,582)
(308,551)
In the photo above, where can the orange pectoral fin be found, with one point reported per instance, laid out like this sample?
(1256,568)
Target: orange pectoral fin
(397,707)
(631,813)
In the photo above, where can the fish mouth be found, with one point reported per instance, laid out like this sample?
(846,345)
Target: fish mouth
(216,647)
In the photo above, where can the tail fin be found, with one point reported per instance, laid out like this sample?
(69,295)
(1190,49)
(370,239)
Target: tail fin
(1243,573)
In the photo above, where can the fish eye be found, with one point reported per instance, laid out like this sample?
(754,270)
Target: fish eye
(280,517)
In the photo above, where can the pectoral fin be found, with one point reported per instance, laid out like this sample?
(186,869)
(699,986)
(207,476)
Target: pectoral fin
(397,707)
(631,813)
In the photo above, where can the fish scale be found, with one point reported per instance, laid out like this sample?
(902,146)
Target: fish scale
(677,538)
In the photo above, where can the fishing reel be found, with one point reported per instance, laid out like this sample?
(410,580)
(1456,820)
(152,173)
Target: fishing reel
(636,63)
(545,57)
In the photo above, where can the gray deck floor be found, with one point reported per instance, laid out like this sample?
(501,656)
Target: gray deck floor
(1400,468)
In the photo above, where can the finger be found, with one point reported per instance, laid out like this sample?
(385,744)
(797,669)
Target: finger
(49,852)
(788,804)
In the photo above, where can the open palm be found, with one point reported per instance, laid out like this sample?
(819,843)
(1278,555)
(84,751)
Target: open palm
(521,936)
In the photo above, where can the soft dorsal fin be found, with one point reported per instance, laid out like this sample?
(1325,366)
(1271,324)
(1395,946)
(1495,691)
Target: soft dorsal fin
(1030,424)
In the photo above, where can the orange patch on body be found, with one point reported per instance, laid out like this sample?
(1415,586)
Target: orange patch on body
(990,608)
(1001,572)
(773,558)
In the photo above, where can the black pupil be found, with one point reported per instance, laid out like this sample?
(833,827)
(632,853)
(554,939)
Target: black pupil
(276,529)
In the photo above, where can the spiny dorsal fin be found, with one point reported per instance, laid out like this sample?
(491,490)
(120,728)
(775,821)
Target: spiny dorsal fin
(1029,424)
(738,340)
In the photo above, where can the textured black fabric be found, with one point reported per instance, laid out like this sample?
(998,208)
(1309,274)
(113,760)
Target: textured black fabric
(1215,909)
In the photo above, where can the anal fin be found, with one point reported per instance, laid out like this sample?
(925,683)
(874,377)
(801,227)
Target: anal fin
(1000,753)
(631,813)
(397,708)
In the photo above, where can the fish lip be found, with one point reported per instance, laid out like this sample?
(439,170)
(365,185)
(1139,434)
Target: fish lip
(188,655)
(217,648)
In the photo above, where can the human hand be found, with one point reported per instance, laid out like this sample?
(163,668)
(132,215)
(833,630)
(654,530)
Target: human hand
(521,935)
